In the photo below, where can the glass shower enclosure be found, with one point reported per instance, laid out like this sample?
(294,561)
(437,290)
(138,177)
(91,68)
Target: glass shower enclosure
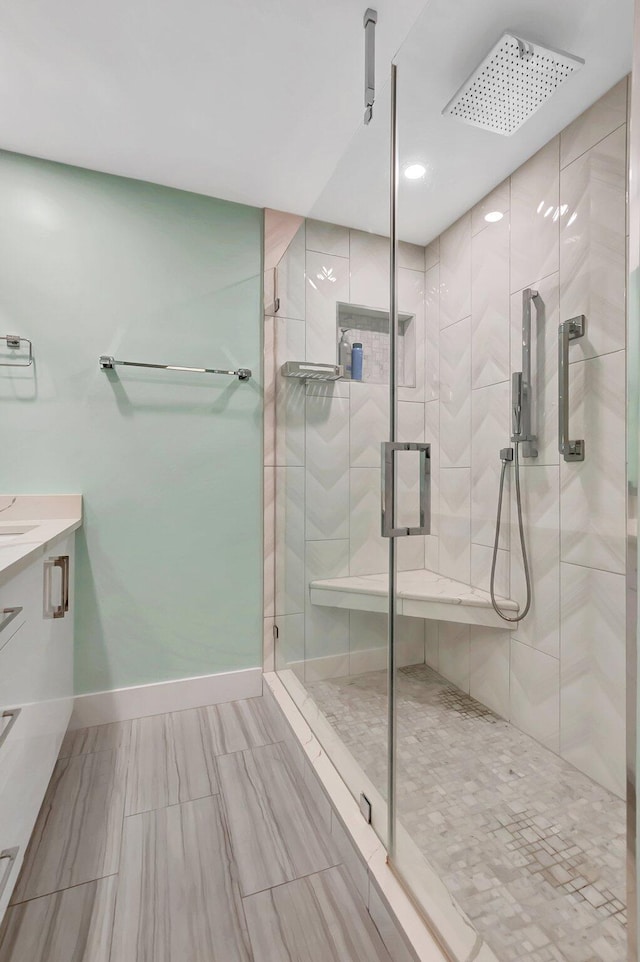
(471,248)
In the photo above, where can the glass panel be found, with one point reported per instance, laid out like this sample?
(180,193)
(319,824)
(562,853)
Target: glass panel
(327,301)
(510,736)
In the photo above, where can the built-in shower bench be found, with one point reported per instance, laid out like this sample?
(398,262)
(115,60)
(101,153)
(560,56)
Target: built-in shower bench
(420,594)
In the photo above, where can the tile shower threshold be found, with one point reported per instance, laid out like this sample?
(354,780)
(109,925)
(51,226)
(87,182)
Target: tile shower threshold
(439,931)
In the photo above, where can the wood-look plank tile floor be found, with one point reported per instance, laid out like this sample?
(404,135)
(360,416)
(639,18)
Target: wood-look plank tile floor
(186,837)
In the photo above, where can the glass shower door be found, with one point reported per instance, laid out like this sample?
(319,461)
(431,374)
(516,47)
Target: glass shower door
(509,735)
(327,320)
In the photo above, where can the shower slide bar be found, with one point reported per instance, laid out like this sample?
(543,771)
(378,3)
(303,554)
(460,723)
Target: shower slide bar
(107,363)
(570,449)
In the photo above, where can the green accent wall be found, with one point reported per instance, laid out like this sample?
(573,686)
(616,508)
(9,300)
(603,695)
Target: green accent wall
(169,561)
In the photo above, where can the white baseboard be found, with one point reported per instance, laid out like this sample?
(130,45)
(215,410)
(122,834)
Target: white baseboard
(102,707)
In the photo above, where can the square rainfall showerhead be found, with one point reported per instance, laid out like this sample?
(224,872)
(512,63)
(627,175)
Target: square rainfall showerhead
(512,82)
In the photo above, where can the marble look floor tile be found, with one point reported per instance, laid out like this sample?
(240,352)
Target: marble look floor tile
(171,760)
(488,807)
(70,926)
(77,835)
(99,738)
(237,725)
(178,897)
(273,832)
(315,919)
(534,231)
(455,272)
(593,245)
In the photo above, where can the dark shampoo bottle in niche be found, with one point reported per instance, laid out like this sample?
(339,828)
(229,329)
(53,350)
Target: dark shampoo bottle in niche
(356,361)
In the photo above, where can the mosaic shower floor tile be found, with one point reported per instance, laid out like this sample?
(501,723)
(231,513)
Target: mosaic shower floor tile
(532,849)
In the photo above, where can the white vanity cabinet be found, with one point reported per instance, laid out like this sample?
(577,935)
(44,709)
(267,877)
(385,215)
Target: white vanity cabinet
(36,694)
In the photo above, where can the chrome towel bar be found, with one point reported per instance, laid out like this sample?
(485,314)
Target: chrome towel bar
(15,342)
(107,363)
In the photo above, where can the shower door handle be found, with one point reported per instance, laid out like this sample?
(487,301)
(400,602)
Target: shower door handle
(570,448)
(389,450)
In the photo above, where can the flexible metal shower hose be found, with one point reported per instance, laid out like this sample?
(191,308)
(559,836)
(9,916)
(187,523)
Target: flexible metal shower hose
(523,545)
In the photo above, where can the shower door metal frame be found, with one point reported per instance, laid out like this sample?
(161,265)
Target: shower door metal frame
(391,488)
(633,467)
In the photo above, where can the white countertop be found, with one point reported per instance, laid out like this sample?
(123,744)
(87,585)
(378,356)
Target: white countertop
(421,594)
(52,516)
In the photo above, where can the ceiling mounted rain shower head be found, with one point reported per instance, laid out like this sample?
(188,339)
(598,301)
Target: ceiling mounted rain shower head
(512,82)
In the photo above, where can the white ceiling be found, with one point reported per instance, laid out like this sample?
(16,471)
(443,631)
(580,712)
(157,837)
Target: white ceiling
(464,163)
(249,100)
(261,102)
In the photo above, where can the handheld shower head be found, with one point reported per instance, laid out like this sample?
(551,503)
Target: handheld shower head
(516,405)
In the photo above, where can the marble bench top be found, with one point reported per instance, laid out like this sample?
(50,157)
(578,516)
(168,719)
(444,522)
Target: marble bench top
(420,594)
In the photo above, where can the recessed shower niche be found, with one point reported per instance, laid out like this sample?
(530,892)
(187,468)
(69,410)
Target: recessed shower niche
(370,327)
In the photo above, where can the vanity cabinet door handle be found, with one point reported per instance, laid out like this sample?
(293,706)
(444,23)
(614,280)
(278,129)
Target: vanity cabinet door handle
(12,715)
(8,614)
(51,610)
(7,859)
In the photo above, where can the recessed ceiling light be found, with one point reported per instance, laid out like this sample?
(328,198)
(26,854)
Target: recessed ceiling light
(493,216)
(414,171)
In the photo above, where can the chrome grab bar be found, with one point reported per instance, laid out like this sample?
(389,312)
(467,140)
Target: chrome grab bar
(389,449)
(12,715)
(9,855)
(107,363)
(570,449)
(9,614)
